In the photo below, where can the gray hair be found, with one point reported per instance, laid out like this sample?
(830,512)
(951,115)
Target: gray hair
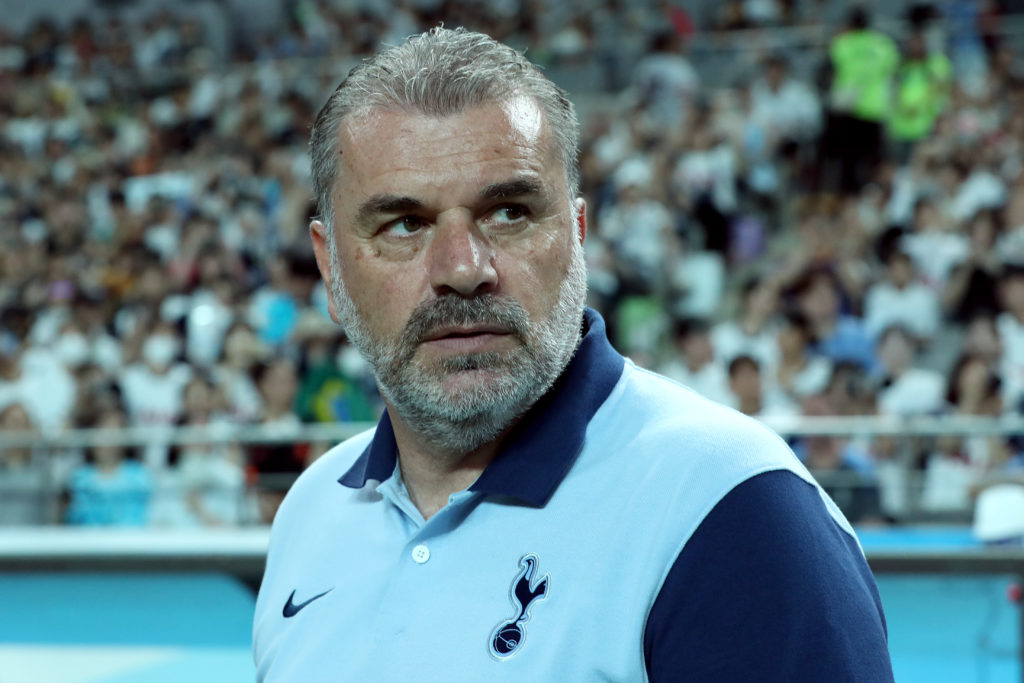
(441,72)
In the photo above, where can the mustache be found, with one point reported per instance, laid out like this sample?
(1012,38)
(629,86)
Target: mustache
(452,309)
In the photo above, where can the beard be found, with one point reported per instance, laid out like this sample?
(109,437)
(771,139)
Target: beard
(506,383)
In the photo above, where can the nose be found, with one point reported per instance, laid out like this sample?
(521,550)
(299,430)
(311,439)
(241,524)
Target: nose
(461,260)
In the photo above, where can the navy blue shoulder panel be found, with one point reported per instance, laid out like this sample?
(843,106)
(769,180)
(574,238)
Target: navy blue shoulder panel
(769,588)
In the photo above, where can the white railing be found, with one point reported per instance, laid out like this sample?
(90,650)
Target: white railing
(788,426)
(220,433)
(906,492)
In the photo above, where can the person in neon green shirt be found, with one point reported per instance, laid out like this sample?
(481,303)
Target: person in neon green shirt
(922,90)
(863,63)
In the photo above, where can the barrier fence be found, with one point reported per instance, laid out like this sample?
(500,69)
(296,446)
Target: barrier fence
(921,469)
(786,426)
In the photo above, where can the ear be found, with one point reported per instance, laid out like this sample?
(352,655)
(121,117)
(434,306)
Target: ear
(321,249)
(580,207)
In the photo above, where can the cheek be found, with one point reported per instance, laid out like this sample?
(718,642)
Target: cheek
(383,292)
(534,275)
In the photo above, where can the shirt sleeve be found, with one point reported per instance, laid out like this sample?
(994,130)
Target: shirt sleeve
(768,588)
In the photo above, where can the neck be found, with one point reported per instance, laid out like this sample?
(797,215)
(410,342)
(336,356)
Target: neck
(750,405)
(431,474)
(694,365)
(970,405)
(752,323)
(823,457)
(107,466)
(824,326)
(793,359)
(273,411)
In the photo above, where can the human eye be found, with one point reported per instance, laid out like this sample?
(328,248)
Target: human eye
(509,214)
(403,227)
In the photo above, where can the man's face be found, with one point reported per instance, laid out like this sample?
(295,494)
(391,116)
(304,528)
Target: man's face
(697,349)
(1013,295)
(791,340)
(746,382)
(896,352)
(900,271)
(457,266)
(762,300)
(820,300)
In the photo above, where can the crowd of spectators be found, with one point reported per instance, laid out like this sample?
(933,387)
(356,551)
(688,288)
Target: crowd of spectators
(838,232)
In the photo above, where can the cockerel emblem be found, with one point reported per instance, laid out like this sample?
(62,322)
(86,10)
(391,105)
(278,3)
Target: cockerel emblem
(508,637)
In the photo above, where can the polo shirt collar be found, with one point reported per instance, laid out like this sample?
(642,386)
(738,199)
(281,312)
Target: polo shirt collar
(542,447)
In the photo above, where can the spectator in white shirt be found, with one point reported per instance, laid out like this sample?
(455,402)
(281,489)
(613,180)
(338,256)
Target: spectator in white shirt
(973,283)
(957,463)
(1010,325)
(753,331)
(34,377)
(749,394)
(706,171)
(933,246)
(906,390)
(981,338)
(900,299)
(26,493)
(153,389)
(277,381)
(639,229)
(1011,242)
(786,108)
(696,366)
(211,476)
(666,80)
(241,351)
(800,373)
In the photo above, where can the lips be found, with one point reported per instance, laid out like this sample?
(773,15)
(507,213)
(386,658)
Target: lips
(459,332)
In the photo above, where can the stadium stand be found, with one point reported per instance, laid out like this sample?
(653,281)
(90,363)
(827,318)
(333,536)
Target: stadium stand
(158,296)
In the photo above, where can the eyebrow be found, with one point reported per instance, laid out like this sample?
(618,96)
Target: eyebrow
(398,204)
(511,188)
(386,203)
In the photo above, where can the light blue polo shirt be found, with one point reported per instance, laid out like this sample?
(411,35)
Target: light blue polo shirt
(629,530)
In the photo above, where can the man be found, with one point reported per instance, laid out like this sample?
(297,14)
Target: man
(863,62)
(923,82)
(695,364)
(531,506)
(749,394)
(841,337)
(902,299)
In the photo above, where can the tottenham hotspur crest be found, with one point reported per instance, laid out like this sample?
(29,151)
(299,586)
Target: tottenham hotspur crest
(508,637)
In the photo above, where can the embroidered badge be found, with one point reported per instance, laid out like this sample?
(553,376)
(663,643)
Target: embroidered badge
(508,637)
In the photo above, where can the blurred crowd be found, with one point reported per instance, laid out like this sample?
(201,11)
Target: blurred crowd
(839,231)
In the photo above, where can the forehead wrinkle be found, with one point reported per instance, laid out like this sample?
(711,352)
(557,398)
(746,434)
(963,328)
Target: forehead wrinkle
(529,151)
(514,132)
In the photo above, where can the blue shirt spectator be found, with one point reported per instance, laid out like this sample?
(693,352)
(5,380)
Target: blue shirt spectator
(850,341)
(118,497)
(109,489)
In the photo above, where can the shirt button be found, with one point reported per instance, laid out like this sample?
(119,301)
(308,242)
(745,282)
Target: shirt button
(420,554)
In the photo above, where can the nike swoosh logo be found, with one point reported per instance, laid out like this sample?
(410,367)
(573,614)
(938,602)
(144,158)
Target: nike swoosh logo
(291,609)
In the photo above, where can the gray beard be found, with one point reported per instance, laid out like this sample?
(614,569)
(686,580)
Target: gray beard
(459,423)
